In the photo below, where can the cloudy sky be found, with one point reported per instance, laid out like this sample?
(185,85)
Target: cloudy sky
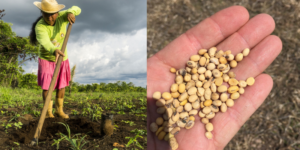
(107,42)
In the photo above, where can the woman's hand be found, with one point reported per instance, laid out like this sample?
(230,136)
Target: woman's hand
(57,53)
(71,18)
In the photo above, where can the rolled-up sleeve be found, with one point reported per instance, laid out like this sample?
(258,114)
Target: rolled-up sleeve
(43,38)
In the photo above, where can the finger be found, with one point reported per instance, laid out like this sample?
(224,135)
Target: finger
(249,35)
(260,57)
(227,124)
(206,34)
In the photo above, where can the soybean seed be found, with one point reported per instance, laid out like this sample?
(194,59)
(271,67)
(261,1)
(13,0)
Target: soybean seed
(196,104)
(216,73)
(214,108)
(175,94)
(205,120)
(225,77)
(233,89)
(219,54)
(192,91)
(193,112)
(161,110)
(195,58)
(227,52)
(161,135)
(214,96)
(179,109)
(222,88)
(208,135)
(189,124)
(235,95)
(179,79)
(160,103)
(239,57)
(207,103)
(191,64)
(193,98)
(206,110)
(233,81)
(201,77)
(183,103)
(212,51)
(218,81)
(156,95)
(241,90)
(217,103)
(214,60)
(201,114)
(242,83)
(188,107)
(233,63)
(209,127)
(230,57)
(211,66)
(159,130)
(222,60)
(153,127)
(173,143)
(229,103)
(202,51)
(195,76)
(250,81)
(173,70)
(187,77)
(159,121)
(210,115)
(246,52)
(166,95)
(199,84)
(174,87)
(192,118)
(223,97)
(231,74)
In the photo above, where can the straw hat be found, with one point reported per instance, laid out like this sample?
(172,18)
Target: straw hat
(49,6)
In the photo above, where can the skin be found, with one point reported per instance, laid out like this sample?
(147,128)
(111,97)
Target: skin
(50,19)
(228,29)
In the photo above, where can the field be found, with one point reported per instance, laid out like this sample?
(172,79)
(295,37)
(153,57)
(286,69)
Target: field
(276,124)
(20,109)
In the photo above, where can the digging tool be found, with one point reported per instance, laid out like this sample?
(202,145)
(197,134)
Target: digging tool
(51,87)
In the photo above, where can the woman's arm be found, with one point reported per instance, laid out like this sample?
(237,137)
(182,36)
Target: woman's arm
(43,38)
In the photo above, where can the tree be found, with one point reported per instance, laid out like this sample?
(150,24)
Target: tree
(72,76)
(12,47)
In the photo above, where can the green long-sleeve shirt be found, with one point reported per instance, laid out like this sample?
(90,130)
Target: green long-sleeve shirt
(51,38)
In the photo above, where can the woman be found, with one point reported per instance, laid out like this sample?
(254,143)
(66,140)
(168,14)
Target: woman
(49,31)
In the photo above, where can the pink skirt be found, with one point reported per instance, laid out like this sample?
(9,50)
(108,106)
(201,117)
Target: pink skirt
(45,73)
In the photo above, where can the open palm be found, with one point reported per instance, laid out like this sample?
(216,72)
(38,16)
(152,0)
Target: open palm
(228,29)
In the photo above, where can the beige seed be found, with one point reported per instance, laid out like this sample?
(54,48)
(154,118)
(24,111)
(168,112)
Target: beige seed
(223,107)
(202,61)
(188,107)
(199,84)
(206,55)
(206,110)
(231,74)
(183,96)
(159,130)
(181,72)
(215,96)
(206,84)
(207,103)
(229,103)
(208,135)
(196,104)
(195,58)
(175,94)
(223,97)
(171,122)
(208,74)
(225,77)
(159,121)
(201,91)
(239,57)
(226,69)
(207,94)
(209,127)
(202,105)
(156,95)
(202,51)
(218,81)
(175,103)
(174,87)
(229,57)
(183,114)
(216,73)
(191,64)
(192,91)
(201,70)
(213,87)
(246,51)
(193,98)
(241,90)
(168,129)
(188,70)
(217,103)
(165,116)
(214,108)
(173,143)
(205,120)
(202,98)
(169,101)
(233,89)
(153,127)
(179,79)
(235,95)
(173,70)
(192,118)
(189,124)
(195,76)
(201,77)
(222,88)
(168,136)
(161,110)
(181,88)
(214,60)
(233,64)
(219,54)
(179,109)
(210,115)
(242,83)
(161,135)
(160,102)
(222,67)
(227,52)
(183,102)
(201,114)
(211,66)
(169,112)
(223,60)
(175,130)
(250,81)
(193,112)
(233,81)
(187,77)
(181,124)
(166,95)
(175,117)
(212,51)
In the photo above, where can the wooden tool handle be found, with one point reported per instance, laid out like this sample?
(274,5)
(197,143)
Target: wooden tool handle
(51,88)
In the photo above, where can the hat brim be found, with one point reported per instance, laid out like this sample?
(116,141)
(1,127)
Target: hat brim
(59,7)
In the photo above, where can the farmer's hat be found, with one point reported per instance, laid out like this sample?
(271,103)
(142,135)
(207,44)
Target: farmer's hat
(49,6)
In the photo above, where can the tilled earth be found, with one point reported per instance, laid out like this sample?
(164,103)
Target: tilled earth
(78,125)
(275,125)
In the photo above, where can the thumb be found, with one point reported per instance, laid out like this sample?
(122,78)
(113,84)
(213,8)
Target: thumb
(56,58)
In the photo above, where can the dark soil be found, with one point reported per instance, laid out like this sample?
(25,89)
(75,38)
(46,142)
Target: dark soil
(78,125)
(275,125)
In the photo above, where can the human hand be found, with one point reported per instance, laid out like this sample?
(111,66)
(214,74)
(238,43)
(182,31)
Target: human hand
(228,29)
(57,53)
(71,18)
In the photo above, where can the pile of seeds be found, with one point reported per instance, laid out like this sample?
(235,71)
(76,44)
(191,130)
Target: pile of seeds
(200,89)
